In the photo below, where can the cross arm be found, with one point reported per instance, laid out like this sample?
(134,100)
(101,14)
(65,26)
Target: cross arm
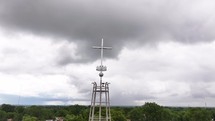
(97,47)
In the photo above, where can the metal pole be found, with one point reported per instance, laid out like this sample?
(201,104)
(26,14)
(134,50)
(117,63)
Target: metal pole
(94,100)
(106,101)
(102,47)
(100,99)
(109,104)
(90,114)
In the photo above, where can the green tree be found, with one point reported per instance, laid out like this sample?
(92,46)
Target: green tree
(61,113)
(76,109)
(7,108)
(2,115)
(17,117)
(72,117)
(19,109)
(152,112)
(184,115)
(117,115)
(136,114)
(10,115)
(85,114)
(29,118)
(36,111)
(48,114)
(167,115)
(213,114)
(199,114)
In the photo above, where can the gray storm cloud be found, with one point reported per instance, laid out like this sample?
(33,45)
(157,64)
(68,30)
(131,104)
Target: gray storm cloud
(118,22)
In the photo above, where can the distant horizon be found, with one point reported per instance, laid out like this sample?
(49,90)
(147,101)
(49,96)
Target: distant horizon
(115,105)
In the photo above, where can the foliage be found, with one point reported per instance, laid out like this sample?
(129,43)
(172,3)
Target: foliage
(2,115)
(152,112)
(136,114)
(73,118)
(29,118)
(199,114)
(147,112)
(117,115)
(7,108)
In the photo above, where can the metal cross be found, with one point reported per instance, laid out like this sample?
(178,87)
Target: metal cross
(102,48)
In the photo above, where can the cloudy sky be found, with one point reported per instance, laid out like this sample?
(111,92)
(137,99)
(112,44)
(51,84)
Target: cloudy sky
(163,51)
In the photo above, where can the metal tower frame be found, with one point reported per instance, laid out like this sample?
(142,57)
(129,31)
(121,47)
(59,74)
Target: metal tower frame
(100,97)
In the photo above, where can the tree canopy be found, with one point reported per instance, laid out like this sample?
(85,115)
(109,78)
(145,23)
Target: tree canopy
(146,112)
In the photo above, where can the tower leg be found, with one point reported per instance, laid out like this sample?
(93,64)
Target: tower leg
(93,101)
(100,99)
(106,102)
(100,103)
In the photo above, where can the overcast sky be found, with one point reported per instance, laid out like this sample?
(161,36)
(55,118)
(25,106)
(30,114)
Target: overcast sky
(163,51)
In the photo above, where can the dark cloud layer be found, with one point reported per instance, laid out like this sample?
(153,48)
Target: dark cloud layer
(118,22)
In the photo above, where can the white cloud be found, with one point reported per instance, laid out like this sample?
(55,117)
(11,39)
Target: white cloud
(28,67)
(168,71)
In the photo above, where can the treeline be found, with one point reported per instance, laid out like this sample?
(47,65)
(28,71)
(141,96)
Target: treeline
(147,112)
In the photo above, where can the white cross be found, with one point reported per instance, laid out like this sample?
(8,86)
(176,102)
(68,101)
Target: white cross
(102,48)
